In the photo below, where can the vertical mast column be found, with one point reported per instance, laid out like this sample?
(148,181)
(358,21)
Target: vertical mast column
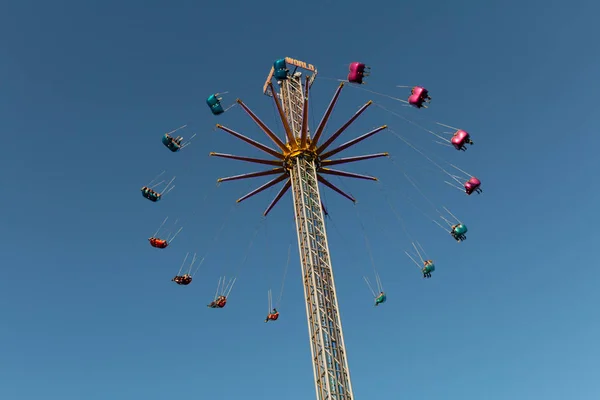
(332,376)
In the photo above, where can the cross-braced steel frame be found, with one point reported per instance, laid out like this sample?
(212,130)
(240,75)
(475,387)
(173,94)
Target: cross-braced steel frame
(301,163)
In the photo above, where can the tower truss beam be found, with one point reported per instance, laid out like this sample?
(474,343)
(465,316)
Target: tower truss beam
(332,375)
(304,128)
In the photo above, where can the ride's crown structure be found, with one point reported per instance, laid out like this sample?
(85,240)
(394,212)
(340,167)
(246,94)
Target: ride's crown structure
(300,163)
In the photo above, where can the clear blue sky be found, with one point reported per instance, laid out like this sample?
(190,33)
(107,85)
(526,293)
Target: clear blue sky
(88,310)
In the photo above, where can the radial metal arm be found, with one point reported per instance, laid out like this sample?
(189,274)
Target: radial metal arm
(251,142)
(353,159)
(252,175)
(247,159)
(345,174)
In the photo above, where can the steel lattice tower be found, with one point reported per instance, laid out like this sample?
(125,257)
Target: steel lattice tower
(301,162)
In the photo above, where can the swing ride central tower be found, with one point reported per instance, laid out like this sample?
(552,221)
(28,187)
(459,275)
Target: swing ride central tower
(330,364)
(301,163)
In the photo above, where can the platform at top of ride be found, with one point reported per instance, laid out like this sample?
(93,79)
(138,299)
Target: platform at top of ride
(283,62)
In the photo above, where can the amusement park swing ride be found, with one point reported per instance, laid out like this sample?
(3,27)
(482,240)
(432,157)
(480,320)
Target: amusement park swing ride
(300,162)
